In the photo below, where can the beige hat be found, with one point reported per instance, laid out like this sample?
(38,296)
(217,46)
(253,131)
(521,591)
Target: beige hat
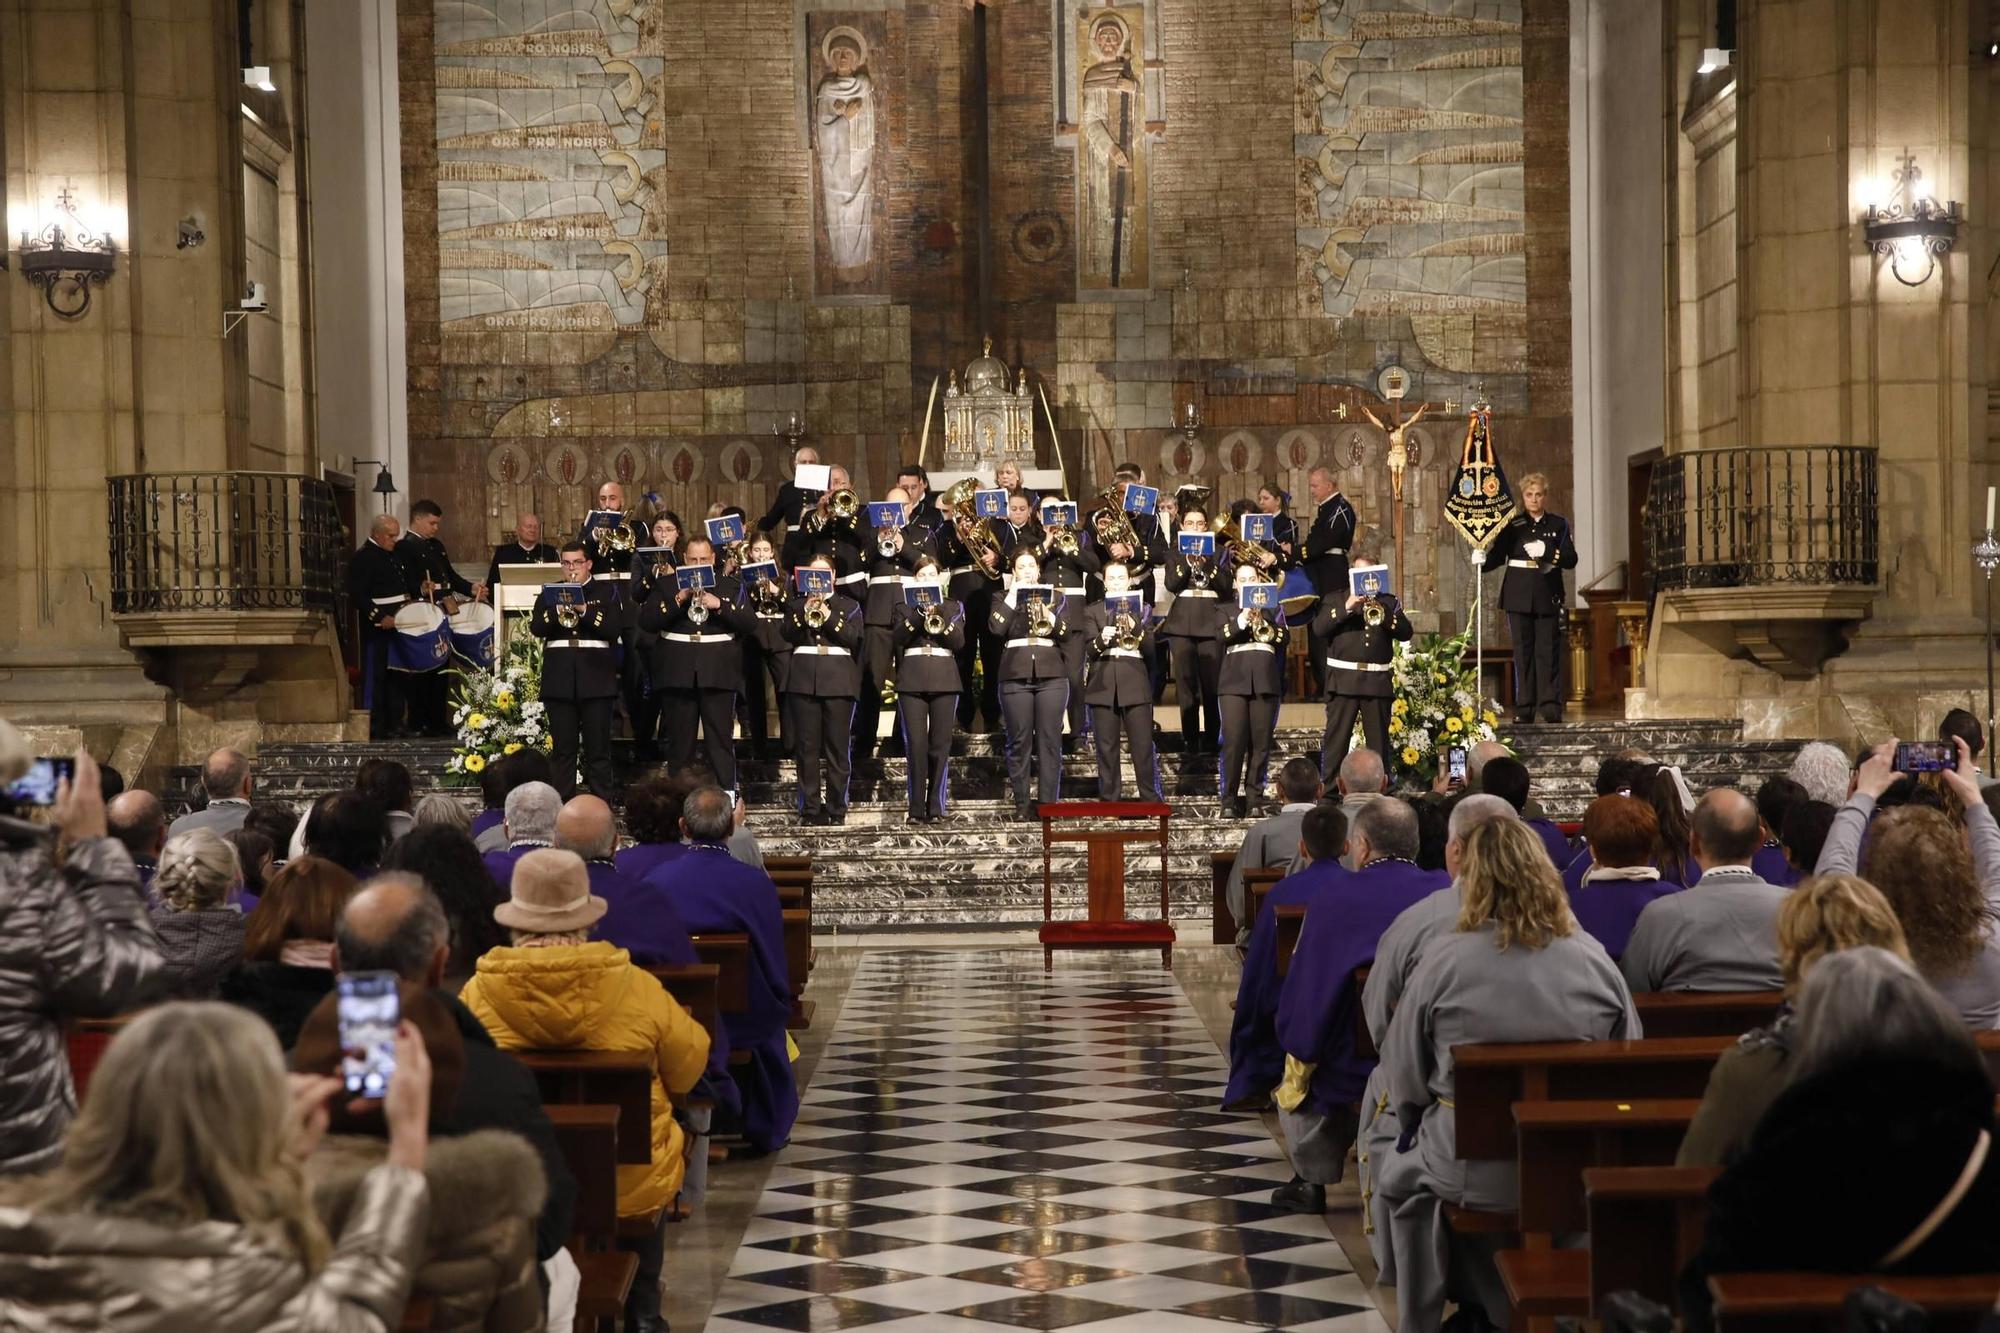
(550,895)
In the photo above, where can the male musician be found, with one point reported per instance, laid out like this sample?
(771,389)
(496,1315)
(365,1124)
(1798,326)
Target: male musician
(766,651)
(580,678)
(1325,556)
(1536,546)
(971,582)
(890,558)
(1119,689)
(926,645)
(1193,629)
(1068,562)
(1250,688)
(611,565)
(844,539)
(916,483)
(1148,526)
(697,663)
(789,507)
(822,680)
(378,585)
(1034,687)
(1360,634)
(527,548)
(432,579)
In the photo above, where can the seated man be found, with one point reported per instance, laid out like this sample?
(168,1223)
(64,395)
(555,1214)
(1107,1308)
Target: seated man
(1507,778)
(555,987)
(529,823)
(1721,933)
(713,892)
(1361,780)
(1274,841)
(1256,1061)
(1323,1072)
(638,918)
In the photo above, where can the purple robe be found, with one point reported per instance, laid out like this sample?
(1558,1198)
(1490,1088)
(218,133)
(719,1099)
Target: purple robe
(716,894)
(1316,1010)
(642,859)
(640,920)
(1607,909)
(1256,1060)
(1773,866)
(500,864)
(1578,868)
(1557,843)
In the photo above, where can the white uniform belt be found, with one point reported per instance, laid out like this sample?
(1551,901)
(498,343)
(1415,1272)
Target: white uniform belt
(926,650)
(1197,592)
(1524,564)
(614,574)
(860,577)
(1074,592)
(1121,652)
(1342,664)
(1030,642)
(1253,647)
(722,636)
(956,570)
(822,650)
(874,579)
(577,643)
(390,601)
(770,615)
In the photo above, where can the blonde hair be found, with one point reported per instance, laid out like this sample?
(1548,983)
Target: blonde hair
(438,808)
(197,871)
(1918,859)
(190,1120)
(1505,876)
(1536,479)
(1829,913)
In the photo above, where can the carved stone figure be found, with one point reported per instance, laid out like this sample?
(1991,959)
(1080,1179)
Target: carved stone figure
(844,137)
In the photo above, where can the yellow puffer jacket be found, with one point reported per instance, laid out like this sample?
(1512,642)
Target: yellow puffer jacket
(590,997)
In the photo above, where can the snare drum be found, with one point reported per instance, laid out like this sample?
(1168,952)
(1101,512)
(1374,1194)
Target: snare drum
(423,639)
(472,633)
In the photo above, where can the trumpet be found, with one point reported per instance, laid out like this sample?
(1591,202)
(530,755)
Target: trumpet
(1373,613)
(934,624)
(817,612)
(697,613)
(1041,619)
(1062,541)
(569,615)
(888,541)
(1262,630)
(841,506)
(1125,632)
(735,555)
(768,595)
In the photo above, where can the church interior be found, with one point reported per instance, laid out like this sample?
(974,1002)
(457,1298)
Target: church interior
(1218,663)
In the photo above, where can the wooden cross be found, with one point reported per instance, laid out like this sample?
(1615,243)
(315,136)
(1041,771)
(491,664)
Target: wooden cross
(1402,454)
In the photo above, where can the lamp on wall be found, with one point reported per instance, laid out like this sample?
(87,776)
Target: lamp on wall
(1912,227)
(66,258)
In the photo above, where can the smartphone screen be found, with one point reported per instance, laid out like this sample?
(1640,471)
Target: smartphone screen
(1456,769)
(1924,756)
(368,1009)
(38,785)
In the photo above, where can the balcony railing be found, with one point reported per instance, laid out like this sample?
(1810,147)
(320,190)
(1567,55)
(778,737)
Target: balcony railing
(223,541)
(1744,518)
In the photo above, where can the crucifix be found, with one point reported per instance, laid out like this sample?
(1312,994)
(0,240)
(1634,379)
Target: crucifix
(1403,453)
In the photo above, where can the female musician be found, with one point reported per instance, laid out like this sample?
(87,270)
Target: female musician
(1273,501)
(1250,686)
(1193,628)
(766,651)
(927,643)
(1119,686)
(1068,564)
(650,573)
(1034,686)
(1008,478)
(1532,552)
(823,680)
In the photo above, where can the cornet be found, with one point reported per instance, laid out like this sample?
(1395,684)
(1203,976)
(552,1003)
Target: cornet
(817,612)
(569,615)
(1041,619)
(1262,630)
(1373,613)
(1125,632)
(1061,541)
(934,623)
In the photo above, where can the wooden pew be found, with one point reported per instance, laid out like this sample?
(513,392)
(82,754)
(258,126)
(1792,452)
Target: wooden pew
(1769,1302)
(773,864)
(1291,919)
(1705,1014)
(695,986)
(87,1040)
(588,1137)
(621,1079)
(798,965)
(1645,1224)
(1222,923)
(1489,1079)
(731,955)
(794,888)
(1257,887)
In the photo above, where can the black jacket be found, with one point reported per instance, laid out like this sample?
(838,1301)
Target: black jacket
(1534,586)
(1350,638)
(1327,541)
(1025,660)
(378,582)
(824,663)
(1111,678)
(919,669)
(570,672)
(1251,668)
(425,556)
(513,553)
(1198,597)
(686,655)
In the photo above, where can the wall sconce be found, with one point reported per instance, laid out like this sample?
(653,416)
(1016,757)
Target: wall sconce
(1912,226)
(791,432)
(67,258)
(1190,419)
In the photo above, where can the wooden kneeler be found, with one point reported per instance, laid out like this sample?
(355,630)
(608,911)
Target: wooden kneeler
(1106,926)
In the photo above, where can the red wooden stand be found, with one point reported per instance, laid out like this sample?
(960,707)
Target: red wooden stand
(1106,926)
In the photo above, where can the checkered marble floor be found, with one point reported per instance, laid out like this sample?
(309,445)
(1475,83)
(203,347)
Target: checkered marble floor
(986,1147)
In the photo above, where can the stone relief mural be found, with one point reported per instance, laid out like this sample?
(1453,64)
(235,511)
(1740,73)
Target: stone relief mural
(1111,156)
(849,134)
(1409,150)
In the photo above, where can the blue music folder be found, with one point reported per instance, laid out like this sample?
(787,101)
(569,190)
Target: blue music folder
(562,594)
(1257,597)
(1197,543)
(1142,499)
(695,577)
(1058,512)
(813,582)
(1368,580)
(923,596)
(725,530)
(761,572)
(990,504)
(1260,527)
(1125,603)
(1025,593)
(885,514)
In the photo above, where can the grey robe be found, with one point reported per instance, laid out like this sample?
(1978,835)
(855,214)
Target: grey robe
(1272,842)
(1719,935)
(1467,990)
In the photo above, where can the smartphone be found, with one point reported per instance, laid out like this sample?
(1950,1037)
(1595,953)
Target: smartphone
(38,785)
(368,1009)
(1455,765)
(1925,756)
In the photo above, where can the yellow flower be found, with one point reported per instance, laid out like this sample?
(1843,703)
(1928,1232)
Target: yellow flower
(476,720)
(1490,719)
(1409,756)
(1395,726)
(504,699)
(1400,707)
(513,747)
(1466,712)
(475,763)
(1441,678)
(1453,725)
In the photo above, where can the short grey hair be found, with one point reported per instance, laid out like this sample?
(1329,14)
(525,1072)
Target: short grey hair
(1480,755)
(197,871)
(1474,810)
(1859,1003)
(222,776)
(709,815)
(410,942)
(1361,773)
(531,811)
(438,808)
(1824,770)
(1389,825)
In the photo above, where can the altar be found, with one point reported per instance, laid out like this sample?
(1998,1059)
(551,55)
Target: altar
(989,419)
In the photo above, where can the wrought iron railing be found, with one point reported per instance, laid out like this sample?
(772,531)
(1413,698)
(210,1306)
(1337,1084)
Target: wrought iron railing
(223,541)
(1735,518)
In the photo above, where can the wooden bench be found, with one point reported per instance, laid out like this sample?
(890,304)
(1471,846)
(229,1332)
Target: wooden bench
(1291,919)
(588,1137)
(1222,922)
(798,964)
(1490,1079)
(1768,1302)
(86,1040)
(773,864)
(696,988)
(1705,1013)
(1646,1224)
(794,887)
(730,953)
(620,1079)
(1257,884)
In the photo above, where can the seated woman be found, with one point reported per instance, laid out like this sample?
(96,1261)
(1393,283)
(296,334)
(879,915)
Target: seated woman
(1620,834)
(181,1202)
(201,935)
(1824,915)
(1879,1060)
(288,945)
(1515,968)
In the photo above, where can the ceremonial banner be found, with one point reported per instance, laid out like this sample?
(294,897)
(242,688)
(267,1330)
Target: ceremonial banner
(1479,503)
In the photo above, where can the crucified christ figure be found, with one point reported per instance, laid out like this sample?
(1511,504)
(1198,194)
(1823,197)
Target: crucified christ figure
(1399,454)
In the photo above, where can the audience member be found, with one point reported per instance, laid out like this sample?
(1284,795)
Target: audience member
(1256,1060)
(180,1201)
(296,847)
(388,784)
(1673,802)
(278,821)
(1507,777)
(1362,778)
(349,829)
(1720,934)
(446,862)
(1513,968)
(711,891)
(1478,757)
(256,858)
(1433,828)
(1273,842)
(225,778)
(397,925)
(1776,800)
(638,916)
(135,819)
(1619,878)
(1806,827)
(288,945)
(556,987)
(441,810)
(530,824)
(1879,1059)
(77,944)
(1616,775)
(500,780)
(111,782)
(1324,1073)
(201,935)
(653,818)
(1824,771)
(1824,915)
(1946,896)
(742,842)
(1959,724)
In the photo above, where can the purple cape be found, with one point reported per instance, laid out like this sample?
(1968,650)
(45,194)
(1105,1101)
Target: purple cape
(1256,1060)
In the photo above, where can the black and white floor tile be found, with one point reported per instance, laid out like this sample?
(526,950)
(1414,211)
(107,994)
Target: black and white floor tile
(986,1147)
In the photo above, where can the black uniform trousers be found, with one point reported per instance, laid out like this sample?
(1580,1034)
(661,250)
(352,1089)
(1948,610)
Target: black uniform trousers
(1074,660)
(588,722)
(1248,721)
(680,708)
(752,703)
(822,740)
(1032,711)
(878,659)
(386,699)
(928,723)
(1197,670)
(1341,710)
(427,693)
(1538,643)
(1135,723)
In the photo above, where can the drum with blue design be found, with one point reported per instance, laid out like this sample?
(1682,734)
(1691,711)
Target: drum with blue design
(472,634)
(423,639)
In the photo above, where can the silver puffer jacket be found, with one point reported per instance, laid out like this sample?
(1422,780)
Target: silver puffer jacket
(68,1272)
(75,941)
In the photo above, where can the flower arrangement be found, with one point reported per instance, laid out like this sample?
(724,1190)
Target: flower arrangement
(498,712)
(1437,706)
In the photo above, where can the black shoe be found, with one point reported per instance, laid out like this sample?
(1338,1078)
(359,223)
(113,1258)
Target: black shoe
(832,818)
(1240,807)
(916,817)
(1552,715)
(1521,718)
(1023,813)
(1299,1197)
(813,818)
